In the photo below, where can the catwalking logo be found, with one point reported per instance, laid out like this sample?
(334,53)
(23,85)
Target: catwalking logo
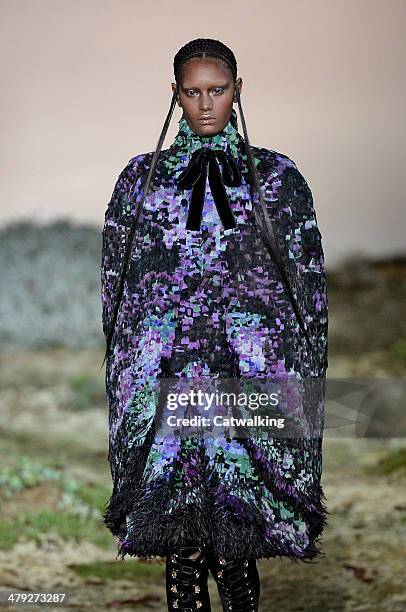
(229,421)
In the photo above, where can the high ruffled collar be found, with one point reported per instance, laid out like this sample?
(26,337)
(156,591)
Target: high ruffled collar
(187,141)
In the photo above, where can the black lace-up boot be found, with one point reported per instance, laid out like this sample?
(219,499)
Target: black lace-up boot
(238,584)
(186,580)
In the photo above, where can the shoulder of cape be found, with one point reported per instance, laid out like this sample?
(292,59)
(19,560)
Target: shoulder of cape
(272,163)
(279,169)
(138,163)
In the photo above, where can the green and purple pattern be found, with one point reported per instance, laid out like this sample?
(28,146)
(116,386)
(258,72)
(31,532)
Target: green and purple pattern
(210,303)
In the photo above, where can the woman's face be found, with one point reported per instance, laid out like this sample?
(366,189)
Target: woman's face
(206,89)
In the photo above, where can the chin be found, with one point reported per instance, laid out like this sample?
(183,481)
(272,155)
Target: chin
(208,130)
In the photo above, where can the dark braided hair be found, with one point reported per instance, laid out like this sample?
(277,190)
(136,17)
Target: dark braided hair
(204,47)
(209,47)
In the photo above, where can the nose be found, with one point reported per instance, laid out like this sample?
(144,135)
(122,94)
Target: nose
(205,102)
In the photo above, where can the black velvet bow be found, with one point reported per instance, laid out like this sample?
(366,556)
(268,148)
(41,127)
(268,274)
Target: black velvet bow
(195,176)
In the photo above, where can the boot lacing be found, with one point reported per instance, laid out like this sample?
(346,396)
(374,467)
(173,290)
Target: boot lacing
(238,585)
(187,581)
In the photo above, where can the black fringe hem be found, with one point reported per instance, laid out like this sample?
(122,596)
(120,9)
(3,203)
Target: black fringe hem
(154,532)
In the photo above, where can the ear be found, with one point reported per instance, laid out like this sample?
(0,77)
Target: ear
(174,90)
(237,85)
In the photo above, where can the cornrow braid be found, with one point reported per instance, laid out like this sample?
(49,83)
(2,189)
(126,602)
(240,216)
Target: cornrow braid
(205,47)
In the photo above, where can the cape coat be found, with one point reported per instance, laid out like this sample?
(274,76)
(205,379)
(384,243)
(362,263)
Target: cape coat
(210,302)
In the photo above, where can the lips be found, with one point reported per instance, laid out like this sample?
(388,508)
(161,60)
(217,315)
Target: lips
(205,118)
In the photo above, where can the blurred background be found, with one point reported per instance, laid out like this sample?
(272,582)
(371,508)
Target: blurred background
(86,86)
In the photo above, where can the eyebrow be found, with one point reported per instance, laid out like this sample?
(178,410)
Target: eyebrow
(224,85)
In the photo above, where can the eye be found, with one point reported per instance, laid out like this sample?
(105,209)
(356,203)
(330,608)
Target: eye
(216,90)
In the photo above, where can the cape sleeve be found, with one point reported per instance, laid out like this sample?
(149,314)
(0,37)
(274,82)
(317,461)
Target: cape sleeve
(115,231)
(306,263)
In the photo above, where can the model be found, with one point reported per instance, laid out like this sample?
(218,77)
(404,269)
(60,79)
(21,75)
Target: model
(212,270)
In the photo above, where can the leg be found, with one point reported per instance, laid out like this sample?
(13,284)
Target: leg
(237,582)
(186,580)
(196,554)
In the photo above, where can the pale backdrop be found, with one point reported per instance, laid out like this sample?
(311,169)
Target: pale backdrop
(86,86)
